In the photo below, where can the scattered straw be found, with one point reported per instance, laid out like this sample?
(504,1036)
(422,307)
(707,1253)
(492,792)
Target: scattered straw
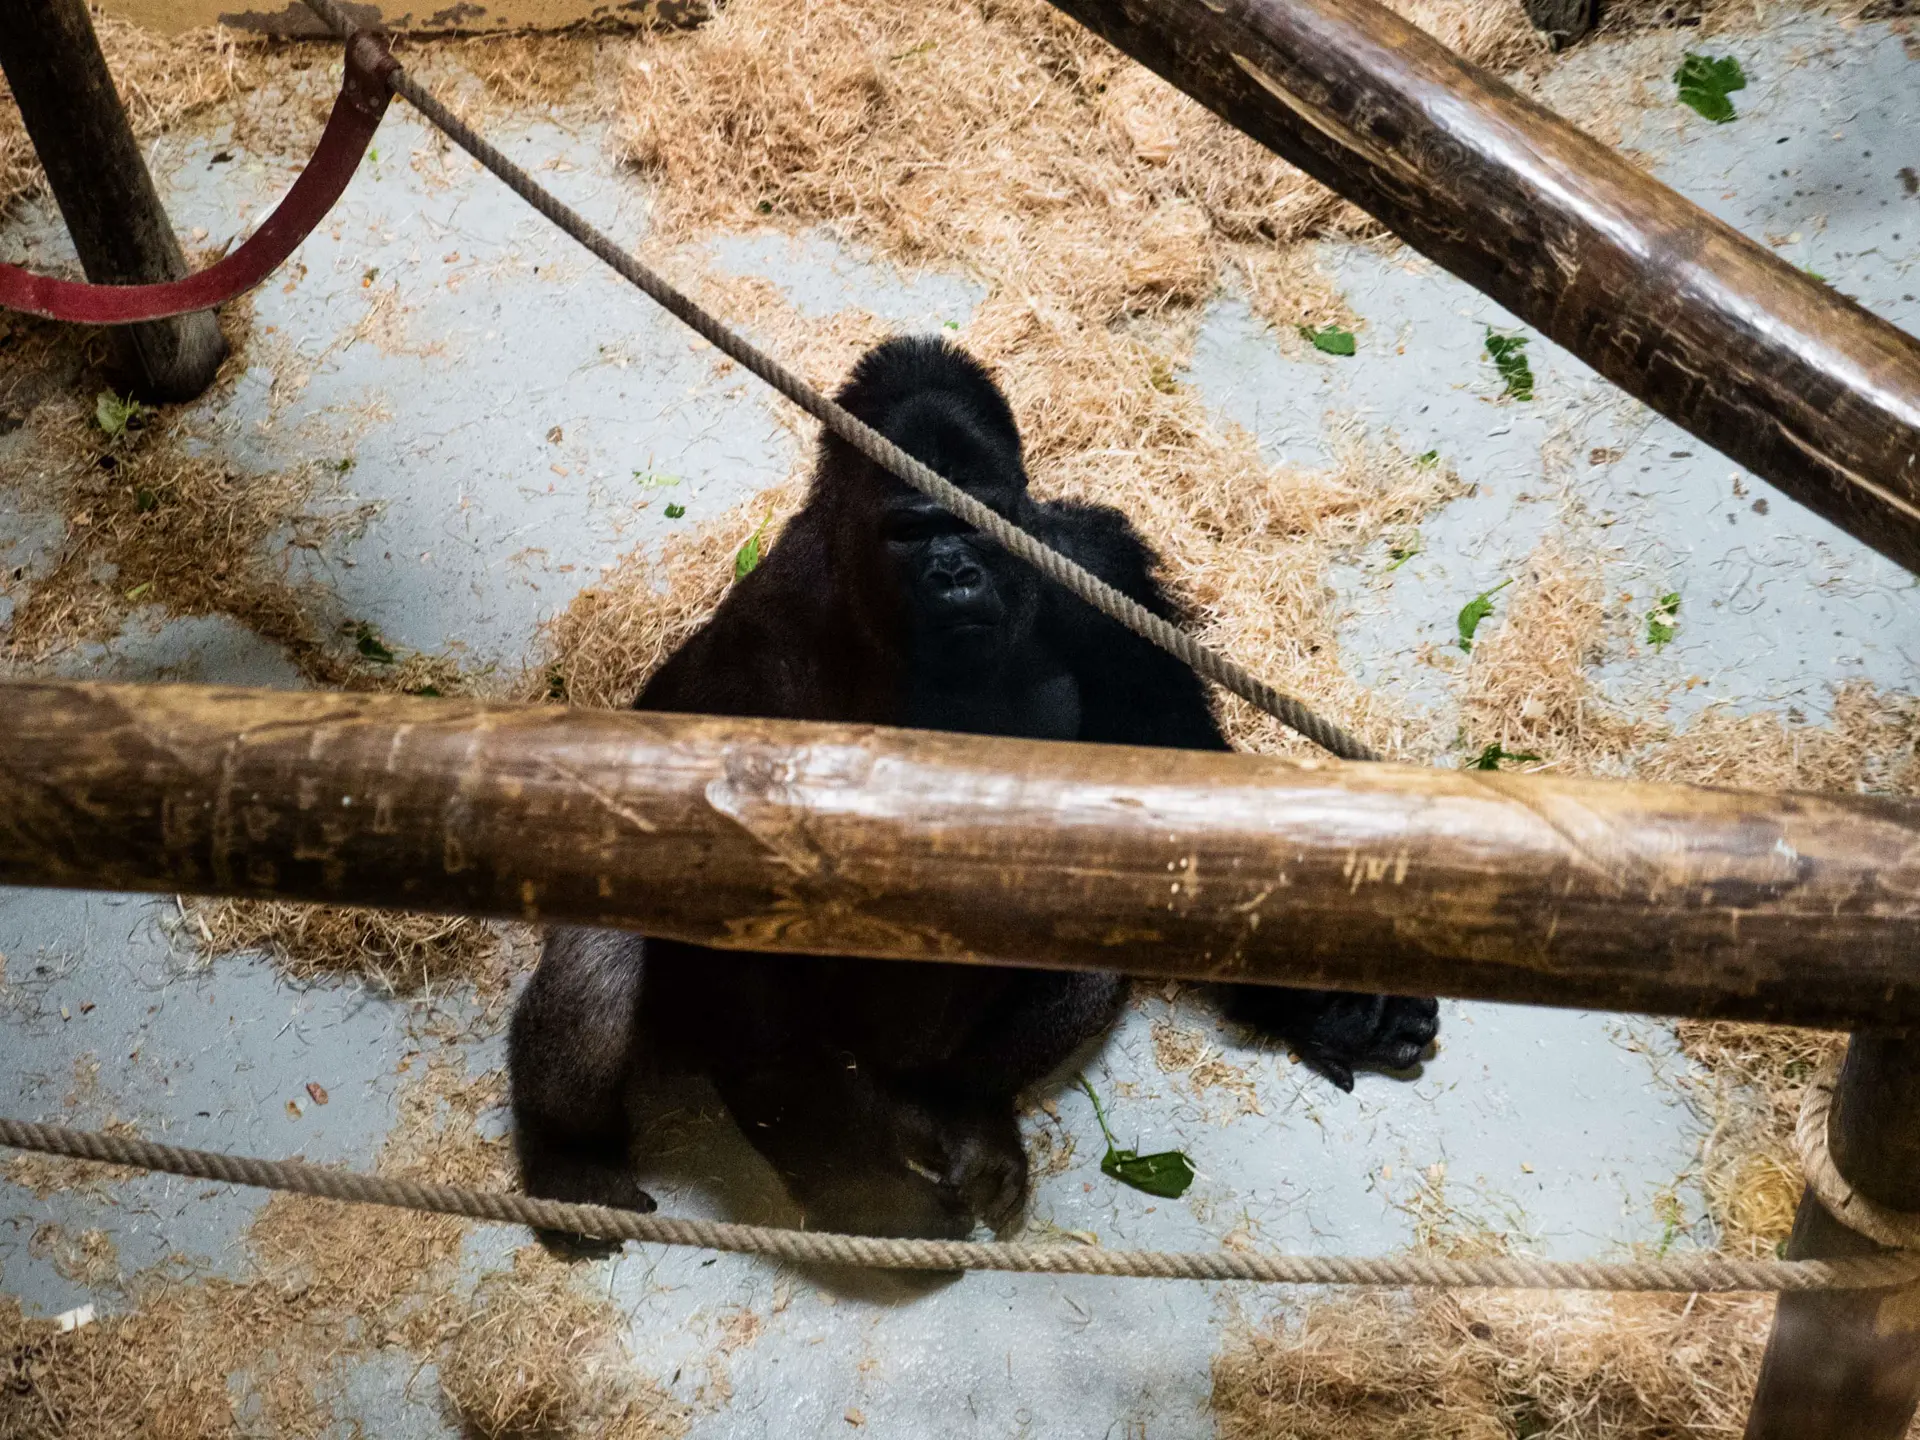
(1527,682)
(998,135)
(87,1257)
(1495,1366)
(161,80)
(1189,1054)
(402,953)
(46,1175)
(617,633)
(326,1286)
(534,1355)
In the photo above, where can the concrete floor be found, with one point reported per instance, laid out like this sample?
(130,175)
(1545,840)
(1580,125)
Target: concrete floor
(479,330)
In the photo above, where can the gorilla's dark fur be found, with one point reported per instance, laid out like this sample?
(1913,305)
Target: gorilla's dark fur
(883,1092)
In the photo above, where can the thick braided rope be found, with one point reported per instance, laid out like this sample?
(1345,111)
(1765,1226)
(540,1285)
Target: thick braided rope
(1846,1204)
(816,1248)
(1076,579)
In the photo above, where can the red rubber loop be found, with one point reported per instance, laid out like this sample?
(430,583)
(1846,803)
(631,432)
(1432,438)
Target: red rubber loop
(356,115)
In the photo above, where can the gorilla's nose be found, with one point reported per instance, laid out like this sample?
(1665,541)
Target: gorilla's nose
(952,579)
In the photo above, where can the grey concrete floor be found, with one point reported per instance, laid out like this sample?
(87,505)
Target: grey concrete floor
(478,331)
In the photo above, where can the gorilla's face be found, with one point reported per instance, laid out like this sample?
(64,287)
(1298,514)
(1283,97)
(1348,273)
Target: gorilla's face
(969,603)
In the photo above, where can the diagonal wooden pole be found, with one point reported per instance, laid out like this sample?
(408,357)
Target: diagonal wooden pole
(1764,363)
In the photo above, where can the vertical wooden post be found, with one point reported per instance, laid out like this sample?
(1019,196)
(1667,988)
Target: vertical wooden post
(81,133)
(1845,1365)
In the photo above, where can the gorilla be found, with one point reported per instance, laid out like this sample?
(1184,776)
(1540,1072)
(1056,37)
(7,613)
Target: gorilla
(883,1092)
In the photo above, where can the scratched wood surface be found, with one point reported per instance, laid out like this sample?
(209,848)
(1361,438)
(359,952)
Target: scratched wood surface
(835,839)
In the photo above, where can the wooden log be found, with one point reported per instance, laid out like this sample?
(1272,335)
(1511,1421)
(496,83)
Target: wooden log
(1764,363)
(774,835)
(80,131)
(1847,1366)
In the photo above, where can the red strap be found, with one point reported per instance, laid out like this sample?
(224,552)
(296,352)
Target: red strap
(356,115)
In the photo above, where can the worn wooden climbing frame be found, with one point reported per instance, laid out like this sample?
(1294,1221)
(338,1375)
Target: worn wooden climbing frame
(837,839)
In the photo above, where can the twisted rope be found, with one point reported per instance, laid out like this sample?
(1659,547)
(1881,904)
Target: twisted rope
(1076,579)
(1895,1228)
(817,1248)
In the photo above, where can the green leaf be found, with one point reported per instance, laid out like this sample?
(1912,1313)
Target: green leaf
(369,644)
(1400,554)
(747,558)
(145,502)
(137,591)
(1705,83)
(1166,1173)
(1329,339)
(1663,621)
(656,479)
(1508,353)
(1428,460)
(114,415)
(1490,758)
(343,465)
(949,324)
(674,512)
(1476,610)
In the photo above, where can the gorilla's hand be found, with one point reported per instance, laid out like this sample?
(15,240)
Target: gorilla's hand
(1338,1033)
(582,1180)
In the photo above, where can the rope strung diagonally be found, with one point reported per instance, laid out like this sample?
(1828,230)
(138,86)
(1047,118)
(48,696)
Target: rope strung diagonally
(1076,579)
(1679,1273)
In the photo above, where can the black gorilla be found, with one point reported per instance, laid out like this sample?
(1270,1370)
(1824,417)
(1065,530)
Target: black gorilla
(883,1092)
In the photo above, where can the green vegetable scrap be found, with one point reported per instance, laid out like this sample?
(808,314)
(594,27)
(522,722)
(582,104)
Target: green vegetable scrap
(747,558)
(1706,82)
(1166,1174)
(1490,758)
(674,512)
(368,642)
(1663,621)
(1476,610)
(1508,353)
(1329,339)
(115,416)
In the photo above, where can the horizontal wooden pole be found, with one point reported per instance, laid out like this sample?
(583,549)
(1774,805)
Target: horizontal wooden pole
(1761,361)
(833,839)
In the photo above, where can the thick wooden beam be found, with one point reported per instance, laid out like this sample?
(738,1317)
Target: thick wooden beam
(1847,1367)
(1762,362)
(774,835)
(85,143)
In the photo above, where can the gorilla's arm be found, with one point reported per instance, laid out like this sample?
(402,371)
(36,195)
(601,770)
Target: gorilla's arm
(1131,691)
(1134,693)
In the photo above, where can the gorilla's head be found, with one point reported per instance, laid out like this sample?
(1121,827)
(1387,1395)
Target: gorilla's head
(965,604)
